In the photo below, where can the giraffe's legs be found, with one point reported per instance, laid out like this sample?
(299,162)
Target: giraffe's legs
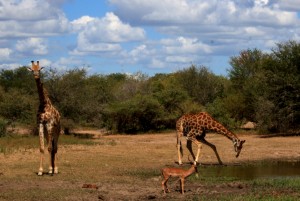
(213,148)
(179,150)
(40,173)
(42,148)
(54,151)
(52,148)
(51,161)
(179,155)
(199,146)
(190,148)
(53,169)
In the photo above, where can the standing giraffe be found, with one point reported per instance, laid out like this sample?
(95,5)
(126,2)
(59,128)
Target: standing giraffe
(194,128)
(48,120)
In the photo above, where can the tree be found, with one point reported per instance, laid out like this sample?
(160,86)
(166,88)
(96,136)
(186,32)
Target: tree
(19,78)
(200,84)
(138,114)
(247,76)
(283,79)
(16,95)
(17,105)
(174,100)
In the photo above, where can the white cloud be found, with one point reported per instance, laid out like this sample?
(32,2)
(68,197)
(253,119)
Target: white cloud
(181,59)
(25,26)
(182,45)
(29,18)
(58,2)
(289,5)
(138,54)
(162,12)
(65,63)
(184,31)
(80,23)
(9,66)
(195,30)
(5,53)
(24,10)
(104,35)
(109,29)
(166,52)
(194,17)
(35,46)
(85,46)
(157,63)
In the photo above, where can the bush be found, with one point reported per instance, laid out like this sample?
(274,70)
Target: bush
(140,114)
(218,110)
(3,127)
(17,105)
(67,125)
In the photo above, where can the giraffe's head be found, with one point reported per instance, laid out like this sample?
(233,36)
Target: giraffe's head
(238,145)
(35,69)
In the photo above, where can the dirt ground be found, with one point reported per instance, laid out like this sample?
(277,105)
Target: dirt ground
(127,167)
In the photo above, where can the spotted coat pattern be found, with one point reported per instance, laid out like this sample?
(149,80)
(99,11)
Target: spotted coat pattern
(195,126)
(48,120)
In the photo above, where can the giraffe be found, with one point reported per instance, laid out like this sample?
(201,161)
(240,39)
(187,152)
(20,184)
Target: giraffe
(48,120)
(194,128)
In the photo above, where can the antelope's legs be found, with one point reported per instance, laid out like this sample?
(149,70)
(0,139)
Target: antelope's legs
(164,184)
(182,185)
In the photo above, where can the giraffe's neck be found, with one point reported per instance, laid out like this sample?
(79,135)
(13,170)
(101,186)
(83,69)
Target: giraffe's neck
(222,130)
(230,136)
(43,95)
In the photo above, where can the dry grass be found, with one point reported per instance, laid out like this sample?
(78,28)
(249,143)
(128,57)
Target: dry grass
(122,167)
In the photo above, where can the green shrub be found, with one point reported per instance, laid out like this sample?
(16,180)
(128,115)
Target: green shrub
(3,127)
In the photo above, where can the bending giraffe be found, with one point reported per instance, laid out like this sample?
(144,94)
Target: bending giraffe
(48,120)
(194,128)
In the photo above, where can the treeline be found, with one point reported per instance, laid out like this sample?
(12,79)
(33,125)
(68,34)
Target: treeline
(260,87)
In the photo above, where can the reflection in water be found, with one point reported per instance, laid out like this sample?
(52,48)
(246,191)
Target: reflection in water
(253,171)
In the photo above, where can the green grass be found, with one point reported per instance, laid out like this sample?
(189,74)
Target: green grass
(268,189)
(144,173)
(11,144)
(53,193)
(286,183)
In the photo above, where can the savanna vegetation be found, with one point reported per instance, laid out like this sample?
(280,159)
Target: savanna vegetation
(127,167)
(260,87)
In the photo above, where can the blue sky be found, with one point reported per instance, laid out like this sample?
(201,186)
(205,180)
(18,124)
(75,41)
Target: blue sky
(129,36)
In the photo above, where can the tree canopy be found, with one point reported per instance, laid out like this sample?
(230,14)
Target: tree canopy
(260,87)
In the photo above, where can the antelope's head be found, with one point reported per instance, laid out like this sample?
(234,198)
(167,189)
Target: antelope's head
(35,69)
(238,145)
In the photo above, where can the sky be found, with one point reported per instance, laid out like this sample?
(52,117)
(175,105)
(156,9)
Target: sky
(147,36)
